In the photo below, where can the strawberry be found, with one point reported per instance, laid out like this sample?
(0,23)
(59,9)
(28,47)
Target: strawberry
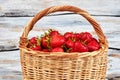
(77,36)
(79,47)
(86,37)
(68,35)
(57,49)
(69,46)
(37,48)
(33,40)
(53,32)
(45,41)
(69,43)
(57,41)
(93,45)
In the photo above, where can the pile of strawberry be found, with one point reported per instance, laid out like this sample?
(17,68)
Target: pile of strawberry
(53,41)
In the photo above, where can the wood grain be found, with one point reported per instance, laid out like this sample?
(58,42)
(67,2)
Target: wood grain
(30,8)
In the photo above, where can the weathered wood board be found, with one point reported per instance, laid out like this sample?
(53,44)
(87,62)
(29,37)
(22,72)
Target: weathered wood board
(31,7)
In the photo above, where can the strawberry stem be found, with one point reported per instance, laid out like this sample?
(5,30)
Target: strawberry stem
(50,30)
(65,48)
(38,41)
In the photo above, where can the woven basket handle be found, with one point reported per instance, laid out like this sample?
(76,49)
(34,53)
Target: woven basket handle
(76,10)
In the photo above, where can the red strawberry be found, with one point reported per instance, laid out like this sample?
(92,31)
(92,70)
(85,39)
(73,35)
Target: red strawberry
(37,48)
(53,32)
(79,47)
(86,37)
(57,41)
(45,41)
(57,49)
(77,36)
(69,43)
(93,45)
(33,40)
(68,35)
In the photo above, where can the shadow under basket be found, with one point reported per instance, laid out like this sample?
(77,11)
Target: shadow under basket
(38,65)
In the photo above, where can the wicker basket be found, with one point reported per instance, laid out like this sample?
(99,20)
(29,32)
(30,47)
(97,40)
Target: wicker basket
(38,65)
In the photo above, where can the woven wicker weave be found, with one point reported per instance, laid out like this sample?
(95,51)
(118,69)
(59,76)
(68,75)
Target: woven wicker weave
(38,65)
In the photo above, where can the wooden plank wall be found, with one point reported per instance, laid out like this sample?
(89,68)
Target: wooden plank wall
(31,7)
